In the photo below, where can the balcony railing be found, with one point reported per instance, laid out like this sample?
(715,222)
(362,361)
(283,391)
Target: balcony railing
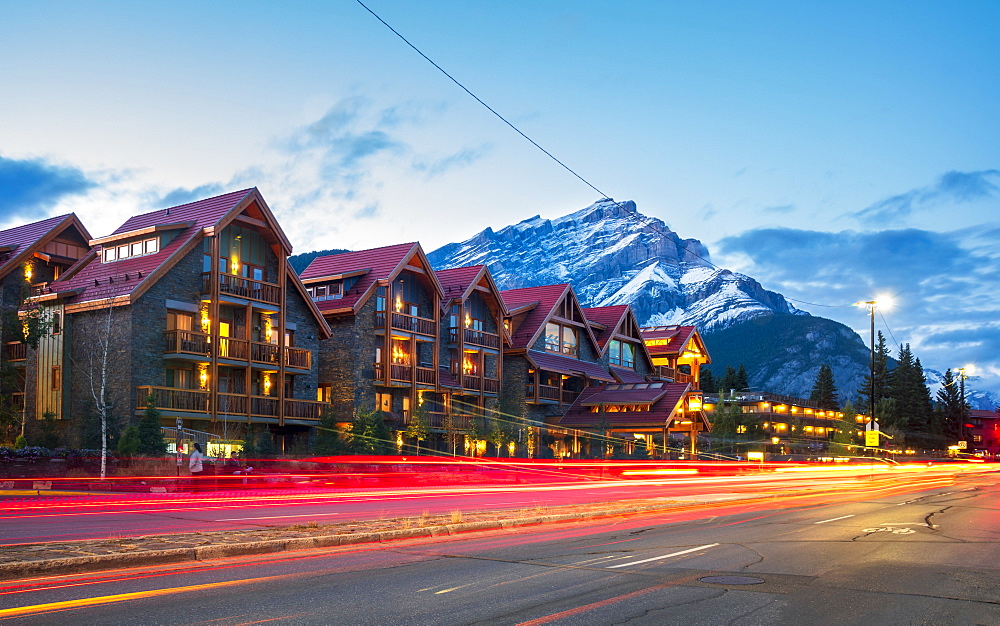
(232,404)
(407,374)
(264,352)
(16,351)
(297,357)
(670,373)
(482,338)
(414,324)
(244,288)
(477,383)
(186,342)
(552,393)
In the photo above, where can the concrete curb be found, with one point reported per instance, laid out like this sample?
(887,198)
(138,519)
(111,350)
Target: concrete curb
(76,565)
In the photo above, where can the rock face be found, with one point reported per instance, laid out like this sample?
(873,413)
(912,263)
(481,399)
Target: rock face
(612,254)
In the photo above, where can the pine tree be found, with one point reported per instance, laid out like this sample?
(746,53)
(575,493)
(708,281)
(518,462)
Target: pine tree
(151,441)
(742,380)
(824,391)
(729,381)
(881,383)
(844,438)
(949,406)
(708,382)
(329,441)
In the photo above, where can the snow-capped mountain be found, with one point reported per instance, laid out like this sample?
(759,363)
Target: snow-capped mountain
(612,254)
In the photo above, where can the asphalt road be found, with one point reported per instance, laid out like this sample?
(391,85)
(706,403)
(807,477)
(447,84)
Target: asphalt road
(35,519)
(875,554)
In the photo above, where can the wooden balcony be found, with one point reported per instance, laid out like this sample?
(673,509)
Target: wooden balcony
(229,404)
(16,351)
(406,374)
(482,338)
(414,324)
(200,344)
(478,383)
(672,374)
(244,288)
(551,394)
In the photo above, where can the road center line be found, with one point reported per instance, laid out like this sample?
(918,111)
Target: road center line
(665,556)
(833,519)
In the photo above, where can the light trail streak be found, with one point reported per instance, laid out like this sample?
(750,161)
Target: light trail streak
(51,607)
(665,556)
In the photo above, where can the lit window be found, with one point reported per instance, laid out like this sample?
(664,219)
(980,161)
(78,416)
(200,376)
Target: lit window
(128,250)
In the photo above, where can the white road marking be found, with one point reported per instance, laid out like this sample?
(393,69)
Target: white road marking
(665,556)
(452,589)
(833,519)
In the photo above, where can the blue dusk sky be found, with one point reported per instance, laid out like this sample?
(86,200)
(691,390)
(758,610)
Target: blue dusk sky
(834,151)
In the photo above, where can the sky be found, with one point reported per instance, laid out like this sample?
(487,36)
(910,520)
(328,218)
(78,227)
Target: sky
(836,152)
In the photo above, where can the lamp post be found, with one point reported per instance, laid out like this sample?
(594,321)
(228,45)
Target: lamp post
(871,389)
(961,411)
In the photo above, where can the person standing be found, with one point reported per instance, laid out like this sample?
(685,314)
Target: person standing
(195,466)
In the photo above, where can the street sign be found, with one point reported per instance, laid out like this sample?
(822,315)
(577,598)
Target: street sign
(871,438)
(963,445)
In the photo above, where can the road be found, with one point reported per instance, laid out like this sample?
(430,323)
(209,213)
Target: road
(37,519)
(870,554)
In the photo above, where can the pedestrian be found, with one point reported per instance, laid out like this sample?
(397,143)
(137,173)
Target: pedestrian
(195,466)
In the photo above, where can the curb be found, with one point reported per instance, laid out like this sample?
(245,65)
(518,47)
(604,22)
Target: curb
(81,564)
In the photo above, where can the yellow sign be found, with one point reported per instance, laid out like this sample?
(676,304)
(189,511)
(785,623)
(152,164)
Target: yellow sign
(755,456)
(657,342)
(871,438)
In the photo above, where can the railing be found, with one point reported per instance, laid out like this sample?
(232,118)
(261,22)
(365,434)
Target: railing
(413,324)
(244,288)
(440,420)
(263,406)
(263,352)
(379,319)
(186,341)
(548,392)
(482,338)
(236,349)
(192,400)
(552,393)
(304,409)
(16,351)
(233,404)
(297,357)
(491,385)
(477,383)
(401,372)
(670,373)
(425,376)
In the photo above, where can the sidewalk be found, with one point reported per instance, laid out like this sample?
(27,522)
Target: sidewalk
(49,559)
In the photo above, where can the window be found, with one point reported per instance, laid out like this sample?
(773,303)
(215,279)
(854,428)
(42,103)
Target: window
(621,353)
(561,339)
(178,320)
(128,250)
(383,402)
(56,323)
(56,378)
(324,392)
(331,291)
(400,352)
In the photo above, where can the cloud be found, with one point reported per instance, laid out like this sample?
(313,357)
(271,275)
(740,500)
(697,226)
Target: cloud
(29,187)
(344,136)
(943,284)
(462,158)
(183,196)
(954,186)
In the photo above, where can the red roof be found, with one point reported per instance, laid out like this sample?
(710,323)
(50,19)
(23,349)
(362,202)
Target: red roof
(21,239)
(377,263)
(609,316)
(547,296)
(664,401)
(565,365)
(626,375)
(678,336)
(124,277)
(456,281)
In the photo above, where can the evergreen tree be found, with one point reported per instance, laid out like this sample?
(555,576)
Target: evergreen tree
(881,382)
(742,380)
(329,440)
(128,443)
(951,413)
(729,381)
(824,391)
(912,397)
(265,444)
(708,382)
(417,429)
(844,438)
(150,434)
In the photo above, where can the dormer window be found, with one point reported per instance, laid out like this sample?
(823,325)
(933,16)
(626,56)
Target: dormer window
(561,339)
(621,353)
(330,291)
(133,249)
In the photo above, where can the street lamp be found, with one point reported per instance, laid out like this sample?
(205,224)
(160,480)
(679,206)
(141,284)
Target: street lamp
(962,375)
(885,302)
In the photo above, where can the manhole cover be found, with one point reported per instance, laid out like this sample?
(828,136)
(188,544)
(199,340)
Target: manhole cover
(731,580)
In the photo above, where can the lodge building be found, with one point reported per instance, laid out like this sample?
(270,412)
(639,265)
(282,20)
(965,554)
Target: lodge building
(195,311)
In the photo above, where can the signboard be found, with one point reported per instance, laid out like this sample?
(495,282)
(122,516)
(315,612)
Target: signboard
(871,438)
(177,440)
(755,456)
(963,445)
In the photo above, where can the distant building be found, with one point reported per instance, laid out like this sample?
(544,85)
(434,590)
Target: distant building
(985,432)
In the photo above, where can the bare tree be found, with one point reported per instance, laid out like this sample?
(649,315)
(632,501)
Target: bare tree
(101,355)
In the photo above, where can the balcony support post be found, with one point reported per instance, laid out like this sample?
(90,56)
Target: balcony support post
(213,312)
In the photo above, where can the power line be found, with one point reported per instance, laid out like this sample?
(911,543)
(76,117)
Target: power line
(649,221)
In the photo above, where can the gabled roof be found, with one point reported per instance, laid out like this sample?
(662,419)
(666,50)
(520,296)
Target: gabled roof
(664,399)
(21,242)
(671,340)
(559,364)
(545,299)
(610,318)
(380,264)
(127,279)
